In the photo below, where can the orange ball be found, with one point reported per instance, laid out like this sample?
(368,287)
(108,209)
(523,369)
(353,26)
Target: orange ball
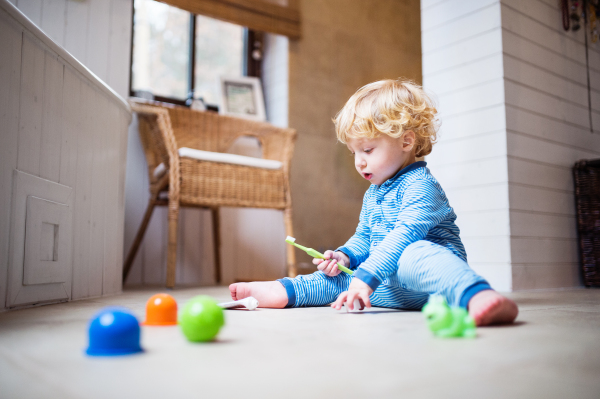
(161,310)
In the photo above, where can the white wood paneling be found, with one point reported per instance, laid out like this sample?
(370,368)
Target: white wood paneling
(472,24)
(52,118)
(52,11)
(537,174)
(119,43)
(545,276)
(543,250)
(550,129)
(10,78)
(83,197)
(542,225)
(61,123)
(469,124)
(529,198)
(463,52)
(72,126)
(446,12)
(491,223)
(474,73)
(32,94)
(76,30)
(31,8)
(458,151)
(98,40)
(479,198)
(491,170)
(463,68)
(112,270)
(529,29)
(98,196)
(488,94)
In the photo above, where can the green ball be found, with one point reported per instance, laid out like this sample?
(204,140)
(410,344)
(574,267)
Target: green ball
(201,319)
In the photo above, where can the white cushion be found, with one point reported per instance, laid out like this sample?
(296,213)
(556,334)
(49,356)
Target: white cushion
(221,157)
(229,158)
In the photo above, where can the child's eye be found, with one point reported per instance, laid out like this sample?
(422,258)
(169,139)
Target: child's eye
(368,150)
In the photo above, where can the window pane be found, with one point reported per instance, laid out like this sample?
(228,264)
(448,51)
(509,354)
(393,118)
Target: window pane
(161,49)
(219,51)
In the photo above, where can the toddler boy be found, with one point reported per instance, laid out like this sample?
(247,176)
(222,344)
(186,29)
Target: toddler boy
(406,246)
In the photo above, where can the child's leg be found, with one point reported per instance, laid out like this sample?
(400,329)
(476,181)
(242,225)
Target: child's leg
(269,294)
(430,268)
(314,289)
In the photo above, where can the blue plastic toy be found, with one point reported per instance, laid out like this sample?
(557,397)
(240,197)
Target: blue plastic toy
(445,321)
(114,331)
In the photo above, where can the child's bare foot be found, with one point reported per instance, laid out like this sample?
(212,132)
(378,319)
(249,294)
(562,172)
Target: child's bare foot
(269,294)
(489,307)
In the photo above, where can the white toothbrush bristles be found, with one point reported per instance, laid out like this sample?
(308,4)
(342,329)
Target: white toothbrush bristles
(292,239)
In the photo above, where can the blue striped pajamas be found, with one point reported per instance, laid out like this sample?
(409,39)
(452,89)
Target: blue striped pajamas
(406,247)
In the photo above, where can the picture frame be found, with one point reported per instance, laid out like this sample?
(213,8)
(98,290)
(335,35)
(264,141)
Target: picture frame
(242,96)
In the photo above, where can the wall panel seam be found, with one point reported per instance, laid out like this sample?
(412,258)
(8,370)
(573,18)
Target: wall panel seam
(562,99)
(543,238)
(433,5)
(471,111)
(563,77)
(463,64)
(534,137)
(458,18)
(464,39)
(582,127)
(469,137)
(542,213)
(550,49)
(467,87)
(534,161)
(543,188)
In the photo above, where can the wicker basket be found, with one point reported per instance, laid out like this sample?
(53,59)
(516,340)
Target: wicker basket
(587,202)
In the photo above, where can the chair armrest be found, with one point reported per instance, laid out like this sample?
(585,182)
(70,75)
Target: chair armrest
(158,140)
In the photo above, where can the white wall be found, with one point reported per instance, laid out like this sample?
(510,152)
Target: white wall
(62,126)
(95,32)
(462,66)
(548,130)
(512,95)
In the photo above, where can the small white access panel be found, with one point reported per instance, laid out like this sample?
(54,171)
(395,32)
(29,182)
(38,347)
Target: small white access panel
(40,266)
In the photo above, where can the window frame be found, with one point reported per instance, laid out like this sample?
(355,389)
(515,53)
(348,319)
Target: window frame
(253,40)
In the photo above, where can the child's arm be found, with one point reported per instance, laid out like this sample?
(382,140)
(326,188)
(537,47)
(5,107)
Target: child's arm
(423,206)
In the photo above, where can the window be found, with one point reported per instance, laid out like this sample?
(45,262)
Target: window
(176,53)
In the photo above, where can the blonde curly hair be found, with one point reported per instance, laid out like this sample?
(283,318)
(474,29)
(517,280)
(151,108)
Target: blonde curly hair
(390,107)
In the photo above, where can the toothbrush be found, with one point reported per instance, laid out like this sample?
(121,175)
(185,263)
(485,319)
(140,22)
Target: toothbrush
(316,254)
(249,303)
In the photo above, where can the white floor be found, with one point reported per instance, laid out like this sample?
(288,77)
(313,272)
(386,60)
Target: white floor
(552,352)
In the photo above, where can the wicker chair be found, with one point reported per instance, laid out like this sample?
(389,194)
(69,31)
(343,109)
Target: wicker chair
(198,183)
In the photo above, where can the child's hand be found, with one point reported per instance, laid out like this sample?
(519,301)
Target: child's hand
(329,264)
(357,289)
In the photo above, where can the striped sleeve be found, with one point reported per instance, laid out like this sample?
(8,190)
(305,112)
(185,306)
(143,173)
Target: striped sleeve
(423,206)
(357,247)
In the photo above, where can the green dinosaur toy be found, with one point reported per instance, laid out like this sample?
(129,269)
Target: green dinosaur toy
(445,321)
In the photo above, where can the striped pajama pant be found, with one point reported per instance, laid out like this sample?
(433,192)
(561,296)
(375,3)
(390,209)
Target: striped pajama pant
(424,268)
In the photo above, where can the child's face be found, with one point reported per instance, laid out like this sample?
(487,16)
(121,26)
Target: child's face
(381,158)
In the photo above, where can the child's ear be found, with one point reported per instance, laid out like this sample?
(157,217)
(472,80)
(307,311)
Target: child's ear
(409,140)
